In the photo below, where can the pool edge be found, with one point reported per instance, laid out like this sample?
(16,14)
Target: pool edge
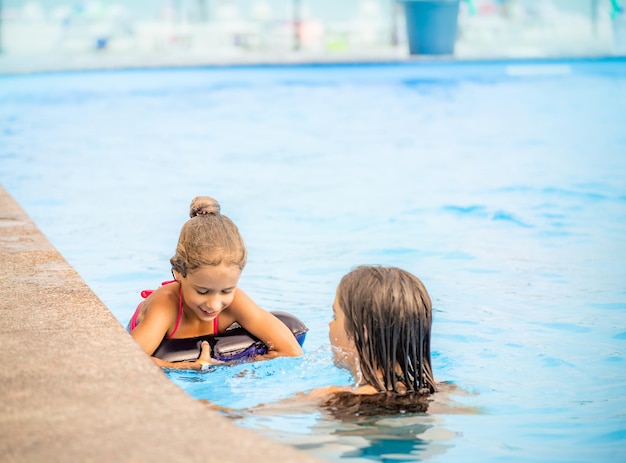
(75,387)
(13,66)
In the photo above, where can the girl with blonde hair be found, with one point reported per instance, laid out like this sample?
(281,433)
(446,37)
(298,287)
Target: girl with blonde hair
(204,299)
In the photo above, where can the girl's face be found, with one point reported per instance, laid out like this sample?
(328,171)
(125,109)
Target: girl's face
(344,350)
(209,290)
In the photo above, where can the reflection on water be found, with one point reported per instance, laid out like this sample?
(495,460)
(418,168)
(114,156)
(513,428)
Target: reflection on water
(397,440)
(317,431)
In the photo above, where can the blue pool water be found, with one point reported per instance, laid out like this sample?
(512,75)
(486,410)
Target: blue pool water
(501,185)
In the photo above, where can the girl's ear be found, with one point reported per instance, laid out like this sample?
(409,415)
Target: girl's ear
(176,275)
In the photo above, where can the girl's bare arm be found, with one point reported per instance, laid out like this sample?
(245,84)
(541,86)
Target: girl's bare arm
(275,335)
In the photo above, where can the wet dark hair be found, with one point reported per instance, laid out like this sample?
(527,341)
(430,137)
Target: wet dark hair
(208,238)
(348,406)
(389,317)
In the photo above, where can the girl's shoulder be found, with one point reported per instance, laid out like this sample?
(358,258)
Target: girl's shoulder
(322,393)
(445,400)
(367,401)
(167,292)
(327,391)
(163,301)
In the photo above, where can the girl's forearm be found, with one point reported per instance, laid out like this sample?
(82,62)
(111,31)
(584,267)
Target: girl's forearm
(195,365)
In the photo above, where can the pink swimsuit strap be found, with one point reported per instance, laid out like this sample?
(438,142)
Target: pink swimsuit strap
(146,292)
(180,315)
(180,311)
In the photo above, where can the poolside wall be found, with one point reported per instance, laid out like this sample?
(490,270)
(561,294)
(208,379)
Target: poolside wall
(74,386)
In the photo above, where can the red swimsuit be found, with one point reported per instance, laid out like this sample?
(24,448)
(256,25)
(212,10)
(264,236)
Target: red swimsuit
(146,292)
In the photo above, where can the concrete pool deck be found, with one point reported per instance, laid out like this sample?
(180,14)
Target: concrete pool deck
(74,387)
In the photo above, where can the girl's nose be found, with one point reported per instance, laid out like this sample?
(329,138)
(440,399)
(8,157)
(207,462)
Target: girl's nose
(215,303)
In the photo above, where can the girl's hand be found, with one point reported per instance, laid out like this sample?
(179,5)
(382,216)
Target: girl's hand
(205,360)
(203,363)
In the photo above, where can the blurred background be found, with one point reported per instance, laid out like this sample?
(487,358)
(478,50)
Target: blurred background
(48,32)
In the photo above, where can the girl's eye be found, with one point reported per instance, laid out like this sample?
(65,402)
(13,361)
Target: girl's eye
(203,291)
(227,291)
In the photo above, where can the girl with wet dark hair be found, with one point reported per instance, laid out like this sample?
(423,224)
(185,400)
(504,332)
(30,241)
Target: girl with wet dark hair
(380,332)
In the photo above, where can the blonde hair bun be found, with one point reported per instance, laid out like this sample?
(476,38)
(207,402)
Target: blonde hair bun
(208,238)
(202,205)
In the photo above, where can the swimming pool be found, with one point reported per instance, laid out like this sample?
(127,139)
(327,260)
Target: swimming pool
(501,185)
